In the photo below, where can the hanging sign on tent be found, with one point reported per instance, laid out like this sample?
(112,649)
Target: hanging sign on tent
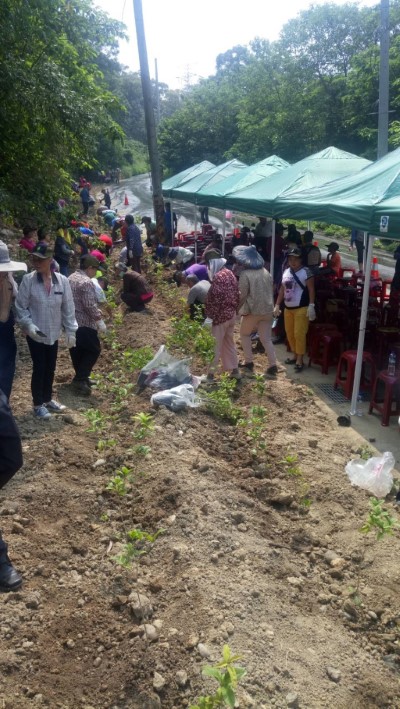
(384,225)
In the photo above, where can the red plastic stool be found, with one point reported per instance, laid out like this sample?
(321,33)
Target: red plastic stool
(325,349)
(318,328)
(346,380)
(391,394)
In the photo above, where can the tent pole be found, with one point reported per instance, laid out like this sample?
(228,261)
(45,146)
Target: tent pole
(172,226)
(223,233)
(363,323)
(272,258)
(195,235)
(365,249)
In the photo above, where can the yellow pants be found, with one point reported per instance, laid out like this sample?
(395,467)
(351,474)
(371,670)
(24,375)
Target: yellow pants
(296,328)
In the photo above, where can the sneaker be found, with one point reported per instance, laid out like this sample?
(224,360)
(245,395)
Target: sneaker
(10,579)
(235,374)
(41,412)
(272,371)
(55,406)
(82,387)
(247,365)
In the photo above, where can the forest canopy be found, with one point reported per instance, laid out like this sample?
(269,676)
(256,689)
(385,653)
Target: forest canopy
(314,87)
(68,106)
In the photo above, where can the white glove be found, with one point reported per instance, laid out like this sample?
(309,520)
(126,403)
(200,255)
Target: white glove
(101,326)
(311,312)
(71,341)
(130,254)
(207,322)
(33,331)
(277,311)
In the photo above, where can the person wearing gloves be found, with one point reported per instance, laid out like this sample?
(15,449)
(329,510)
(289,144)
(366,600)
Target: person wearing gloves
(44,306)
(134,244)
(298,294)
(256,305)
(86,351)
(221,307)
(8,292)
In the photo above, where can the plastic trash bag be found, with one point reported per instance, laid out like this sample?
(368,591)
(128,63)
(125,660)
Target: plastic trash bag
(374,474)
(171,375)
(177,398)
(161,358)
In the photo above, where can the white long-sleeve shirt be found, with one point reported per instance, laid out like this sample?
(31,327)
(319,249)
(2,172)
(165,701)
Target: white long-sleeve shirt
(50,312)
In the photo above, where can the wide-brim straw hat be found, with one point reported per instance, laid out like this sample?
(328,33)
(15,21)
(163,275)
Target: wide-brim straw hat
(248,257)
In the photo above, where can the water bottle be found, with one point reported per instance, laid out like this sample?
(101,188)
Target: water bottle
(392,365)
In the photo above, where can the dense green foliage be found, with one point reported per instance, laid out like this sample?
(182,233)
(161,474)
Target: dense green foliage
(316,86)
(67,106)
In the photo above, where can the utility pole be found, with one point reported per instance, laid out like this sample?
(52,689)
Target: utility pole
(157,92)
(383,115)
(155,166)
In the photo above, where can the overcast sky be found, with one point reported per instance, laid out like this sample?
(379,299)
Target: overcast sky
(186,36)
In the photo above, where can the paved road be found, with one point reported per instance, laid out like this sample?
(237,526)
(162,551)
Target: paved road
(138,191)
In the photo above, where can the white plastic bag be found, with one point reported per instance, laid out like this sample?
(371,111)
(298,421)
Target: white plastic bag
(374,474)
(171,375)
(177,398)
(161,358)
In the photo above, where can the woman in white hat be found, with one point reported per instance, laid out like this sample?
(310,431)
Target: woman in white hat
(8,292)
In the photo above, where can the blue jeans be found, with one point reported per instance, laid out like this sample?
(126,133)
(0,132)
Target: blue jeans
(8,352)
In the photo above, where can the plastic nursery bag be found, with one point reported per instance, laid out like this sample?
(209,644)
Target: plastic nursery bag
(176,399)
(374,474)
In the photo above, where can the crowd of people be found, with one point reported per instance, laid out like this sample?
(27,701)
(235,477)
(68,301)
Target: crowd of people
(63,294)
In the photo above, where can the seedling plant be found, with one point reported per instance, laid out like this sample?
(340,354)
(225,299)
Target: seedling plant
(98,421)
(379,520)
(228,675)
(219,402)
(145,425)
(120,482)
(290,461)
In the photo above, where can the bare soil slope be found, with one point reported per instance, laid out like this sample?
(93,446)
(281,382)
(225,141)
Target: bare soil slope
(309,602)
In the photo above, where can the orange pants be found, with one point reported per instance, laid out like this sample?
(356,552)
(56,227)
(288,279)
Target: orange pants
(296,328)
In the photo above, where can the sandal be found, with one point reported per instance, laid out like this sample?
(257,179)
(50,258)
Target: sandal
(290,361)
(298,367)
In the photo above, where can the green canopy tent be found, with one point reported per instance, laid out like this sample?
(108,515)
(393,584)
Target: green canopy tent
(176,180)
(322,167)
(359,200)
(217,195)
(189,191)
(369,200)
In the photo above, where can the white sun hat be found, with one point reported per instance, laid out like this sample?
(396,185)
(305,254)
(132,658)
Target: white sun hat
(5,262)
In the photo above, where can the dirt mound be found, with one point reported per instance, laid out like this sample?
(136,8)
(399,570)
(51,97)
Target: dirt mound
(260,548)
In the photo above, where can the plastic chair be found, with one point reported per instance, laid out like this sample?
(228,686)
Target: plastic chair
(391,394)
(346,368)
(325,349)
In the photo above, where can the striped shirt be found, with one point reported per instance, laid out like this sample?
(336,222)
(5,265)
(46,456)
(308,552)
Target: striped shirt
(84,295)
(50,311)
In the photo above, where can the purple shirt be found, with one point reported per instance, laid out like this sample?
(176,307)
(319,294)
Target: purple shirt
(199,270)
